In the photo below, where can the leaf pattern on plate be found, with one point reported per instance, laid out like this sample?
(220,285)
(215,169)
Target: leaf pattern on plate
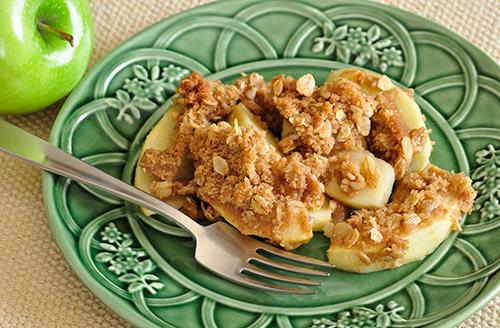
(354,44)
(365,317)
(146,91)
(487,183)
(130,265)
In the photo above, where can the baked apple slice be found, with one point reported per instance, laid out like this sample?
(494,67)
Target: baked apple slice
(350,182)
(161,137)
(425,208)
(373,84)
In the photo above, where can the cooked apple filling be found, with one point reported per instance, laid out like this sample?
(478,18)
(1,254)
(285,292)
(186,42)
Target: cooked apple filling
(282,159)
(429,200)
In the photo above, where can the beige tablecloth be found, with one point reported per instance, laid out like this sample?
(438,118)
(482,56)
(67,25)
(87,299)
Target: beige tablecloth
(37,287)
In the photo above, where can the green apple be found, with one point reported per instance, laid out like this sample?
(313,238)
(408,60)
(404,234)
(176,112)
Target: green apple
(45,47)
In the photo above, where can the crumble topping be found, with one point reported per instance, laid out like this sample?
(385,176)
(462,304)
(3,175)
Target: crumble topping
(418,198)
(237,172)
(203,101)
(256,95)
(352,176)
(390,138)
(333,116)
(235,168)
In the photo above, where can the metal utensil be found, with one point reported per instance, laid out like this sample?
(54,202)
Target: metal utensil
(219,247)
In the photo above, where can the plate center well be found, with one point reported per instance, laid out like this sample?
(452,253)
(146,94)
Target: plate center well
(175,255)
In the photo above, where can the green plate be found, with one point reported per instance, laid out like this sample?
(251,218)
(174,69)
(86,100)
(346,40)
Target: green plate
(144,268)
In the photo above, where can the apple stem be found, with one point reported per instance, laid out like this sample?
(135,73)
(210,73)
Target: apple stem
(60,34)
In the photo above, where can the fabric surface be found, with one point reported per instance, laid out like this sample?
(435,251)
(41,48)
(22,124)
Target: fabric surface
(37,287)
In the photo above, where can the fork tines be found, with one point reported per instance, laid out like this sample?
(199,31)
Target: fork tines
(258,267)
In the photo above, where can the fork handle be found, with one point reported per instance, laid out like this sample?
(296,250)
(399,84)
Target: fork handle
(29,148)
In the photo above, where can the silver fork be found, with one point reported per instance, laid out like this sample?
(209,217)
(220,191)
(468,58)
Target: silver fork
(220,248)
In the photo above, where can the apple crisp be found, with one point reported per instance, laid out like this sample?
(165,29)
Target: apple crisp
(272,157)
(418,199)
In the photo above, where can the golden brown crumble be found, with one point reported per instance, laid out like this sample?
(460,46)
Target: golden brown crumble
(247,165)
(296,180)
(390,138)
(203,101)
(235,170)
(257,97)
(352,176)
(333,116)
(419,198)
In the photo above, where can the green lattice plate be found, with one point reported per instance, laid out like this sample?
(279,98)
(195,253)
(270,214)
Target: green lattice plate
(144,269)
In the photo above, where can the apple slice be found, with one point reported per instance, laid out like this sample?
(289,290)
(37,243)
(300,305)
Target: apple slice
(421,242)
(372,84)
(412,116)
(425,207)
(162,137)
(366,197)
(322,216)
(247,119)
(297,231)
